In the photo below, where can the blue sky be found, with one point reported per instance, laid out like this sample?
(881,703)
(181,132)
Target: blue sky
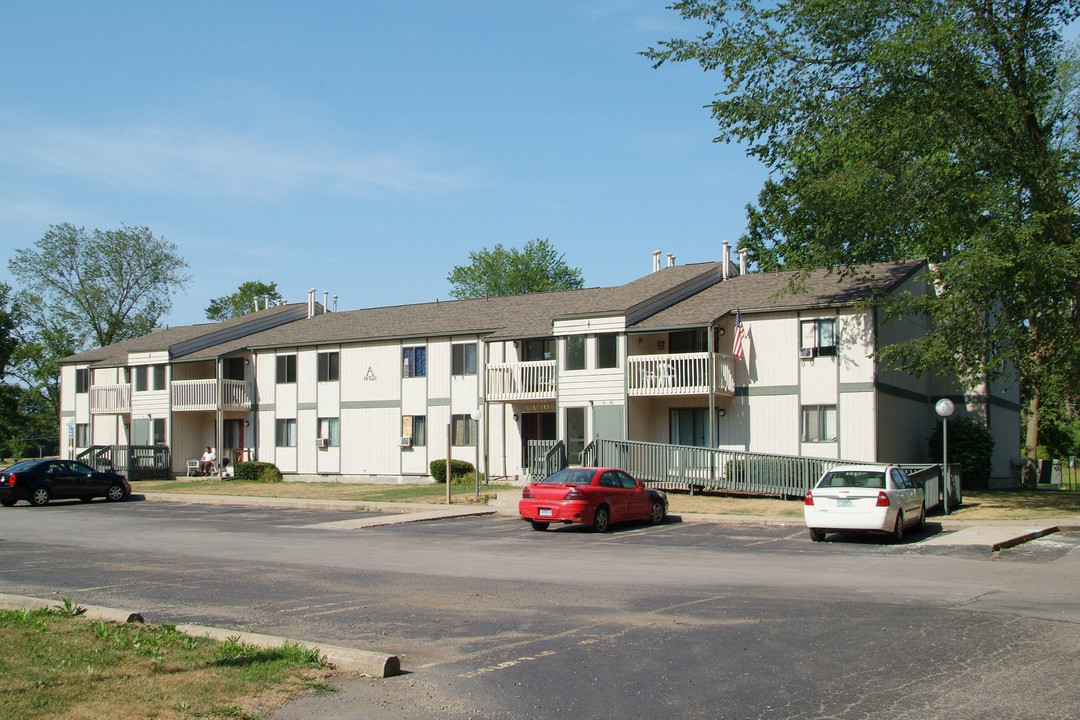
(363,148)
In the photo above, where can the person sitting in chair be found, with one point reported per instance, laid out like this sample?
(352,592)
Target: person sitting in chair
(206,463)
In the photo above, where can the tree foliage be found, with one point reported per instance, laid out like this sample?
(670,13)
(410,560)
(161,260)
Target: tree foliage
(103,286)
(944,129)
(537,267)
(970,445)
(87,289)
(243,300)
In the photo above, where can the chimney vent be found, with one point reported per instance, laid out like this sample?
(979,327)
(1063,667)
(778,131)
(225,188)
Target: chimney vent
(671,259)
(656,260)
(743,257)
(726,258)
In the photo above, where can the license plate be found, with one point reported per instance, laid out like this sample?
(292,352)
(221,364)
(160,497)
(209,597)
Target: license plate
(845,502)
(545,512)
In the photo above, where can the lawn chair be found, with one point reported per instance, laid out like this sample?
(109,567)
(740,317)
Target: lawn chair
(193,467)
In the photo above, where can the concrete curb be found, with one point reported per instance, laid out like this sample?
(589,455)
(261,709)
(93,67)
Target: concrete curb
(363,662)
(308,504)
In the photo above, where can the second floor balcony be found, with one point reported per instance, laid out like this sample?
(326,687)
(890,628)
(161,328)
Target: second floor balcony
(188,395)
(507,382)
(681,374)
(110,399)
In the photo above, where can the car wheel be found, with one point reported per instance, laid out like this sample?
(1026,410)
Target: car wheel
(922,518)
(8,502)
(40,496)
(657,513)
(537,525)
(817,535)
(602,521)
(898,531)
(85,498)
(115,492)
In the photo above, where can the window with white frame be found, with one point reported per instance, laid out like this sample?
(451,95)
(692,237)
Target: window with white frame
(328,366)
(462,431)
(285,432)
(286,369)
(463,359)
(157,377)
(141,383)
(818,337)
(82,435)
(414,427)
(819,423)
(575,352)
(330,431)
(82,380)
(414,362)
(607,350)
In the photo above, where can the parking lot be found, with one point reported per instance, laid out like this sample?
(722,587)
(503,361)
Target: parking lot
(683,619)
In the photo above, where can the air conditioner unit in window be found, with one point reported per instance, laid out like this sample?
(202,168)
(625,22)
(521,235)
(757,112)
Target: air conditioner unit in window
(806,352)
(406,441)
(322,442)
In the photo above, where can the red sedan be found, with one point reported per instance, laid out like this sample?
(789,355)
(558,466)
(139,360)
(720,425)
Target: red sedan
(591,496)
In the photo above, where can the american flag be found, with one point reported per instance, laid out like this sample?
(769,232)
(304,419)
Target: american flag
(737,347)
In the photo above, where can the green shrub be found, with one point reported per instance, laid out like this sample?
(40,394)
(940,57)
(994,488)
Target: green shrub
(256,472)
(458,470)
(970,445)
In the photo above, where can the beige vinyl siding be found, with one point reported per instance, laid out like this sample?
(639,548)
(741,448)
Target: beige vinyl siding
(857,431)
(306,376)
(855,335)
(774,350)
(589,326)
(438,368)
(372,372)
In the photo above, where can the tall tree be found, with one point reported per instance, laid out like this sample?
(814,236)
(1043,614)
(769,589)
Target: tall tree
(105,285)
(88,289)
(944,129)
(243,300)
(537,267)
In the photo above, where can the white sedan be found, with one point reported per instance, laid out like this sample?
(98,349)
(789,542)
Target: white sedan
(871,498)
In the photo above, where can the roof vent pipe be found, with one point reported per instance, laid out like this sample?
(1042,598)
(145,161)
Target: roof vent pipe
(266,302)
(311,302)
(656,261)
(335,303)
(325,295)
(671,259)
(726,258)
(256,301)
(743,257)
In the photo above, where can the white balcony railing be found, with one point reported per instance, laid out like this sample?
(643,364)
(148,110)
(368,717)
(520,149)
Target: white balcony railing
(202,395)
(521,381)
(110,399)
(681,374)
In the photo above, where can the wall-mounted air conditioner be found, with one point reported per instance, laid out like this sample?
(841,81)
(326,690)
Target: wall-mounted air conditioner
(806,352)
(322,442)
(406,441)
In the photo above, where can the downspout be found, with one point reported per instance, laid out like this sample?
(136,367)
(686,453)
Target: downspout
(219,419)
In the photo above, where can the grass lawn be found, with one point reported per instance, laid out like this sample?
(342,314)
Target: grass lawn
(59,665)
(461,492)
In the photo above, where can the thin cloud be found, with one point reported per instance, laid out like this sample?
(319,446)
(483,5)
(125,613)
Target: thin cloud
(168,160)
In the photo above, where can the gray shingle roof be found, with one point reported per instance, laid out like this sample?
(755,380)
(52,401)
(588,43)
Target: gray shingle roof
(166,338)
(507,316)
(763,292)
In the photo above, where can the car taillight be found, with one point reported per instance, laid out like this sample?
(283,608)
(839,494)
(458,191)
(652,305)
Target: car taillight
(882,500)
(526,493)
(574,494)
(809,498)
(11,479)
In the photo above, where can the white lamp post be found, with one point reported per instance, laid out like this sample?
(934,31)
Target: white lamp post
(476,415)
(944,409)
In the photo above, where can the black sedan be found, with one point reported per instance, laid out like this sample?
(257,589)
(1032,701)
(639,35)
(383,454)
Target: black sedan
(39,481)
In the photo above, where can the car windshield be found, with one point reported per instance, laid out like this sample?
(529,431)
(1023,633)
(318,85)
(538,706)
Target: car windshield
(22,466)
(570,476)
(854,479)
